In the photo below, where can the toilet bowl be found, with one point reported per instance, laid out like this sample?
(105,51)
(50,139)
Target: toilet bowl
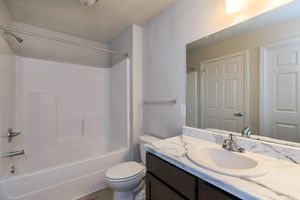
(127,178)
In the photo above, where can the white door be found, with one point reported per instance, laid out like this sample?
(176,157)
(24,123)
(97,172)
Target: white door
(191,100)
(281,91)
(223,95)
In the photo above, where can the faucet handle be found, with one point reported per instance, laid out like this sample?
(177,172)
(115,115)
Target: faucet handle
(232,137)
(247,132)
(241,150)
(231,144)
(225,144)
(10,134)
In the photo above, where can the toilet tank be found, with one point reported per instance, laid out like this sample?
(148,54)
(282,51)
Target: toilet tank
(144,139)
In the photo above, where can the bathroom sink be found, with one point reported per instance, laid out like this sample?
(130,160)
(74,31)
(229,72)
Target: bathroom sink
(227,162)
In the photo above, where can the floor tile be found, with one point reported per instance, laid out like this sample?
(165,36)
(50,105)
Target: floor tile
(105,194)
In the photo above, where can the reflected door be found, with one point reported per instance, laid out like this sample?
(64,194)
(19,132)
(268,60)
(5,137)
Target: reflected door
(192,100)
(281,91)
(223,93)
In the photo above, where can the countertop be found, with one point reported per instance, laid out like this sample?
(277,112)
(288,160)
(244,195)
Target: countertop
(281,182)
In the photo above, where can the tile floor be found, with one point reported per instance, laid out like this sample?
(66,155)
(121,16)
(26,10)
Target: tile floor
(105,194)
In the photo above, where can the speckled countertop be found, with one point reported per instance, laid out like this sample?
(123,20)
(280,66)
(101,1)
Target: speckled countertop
(281,182)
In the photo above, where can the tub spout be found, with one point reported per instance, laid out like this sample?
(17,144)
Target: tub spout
(12,154)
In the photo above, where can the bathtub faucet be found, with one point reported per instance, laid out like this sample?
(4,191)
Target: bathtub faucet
(12,154)
(11,134)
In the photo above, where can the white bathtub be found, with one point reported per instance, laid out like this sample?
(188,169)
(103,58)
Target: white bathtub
(66,182)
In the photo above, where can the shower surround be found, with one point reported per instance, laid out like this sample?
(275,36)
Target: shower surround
(74,121)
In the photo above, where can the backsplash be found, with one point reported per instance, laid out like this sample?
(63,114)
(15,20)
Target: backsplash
(279,151)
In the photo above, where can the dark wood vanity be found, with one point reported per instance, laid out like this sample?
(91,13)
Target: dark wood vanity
(165,181)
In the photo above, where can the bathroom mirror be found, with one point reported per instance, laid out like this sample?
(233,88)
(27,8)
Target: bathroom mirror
(247,75)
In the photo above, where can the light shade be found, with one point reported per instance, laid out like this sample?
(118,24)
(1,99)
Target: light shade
(233,6)
(87,2)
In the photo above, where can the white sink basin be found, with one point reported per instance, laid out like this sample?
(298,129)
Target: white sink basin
(228,162)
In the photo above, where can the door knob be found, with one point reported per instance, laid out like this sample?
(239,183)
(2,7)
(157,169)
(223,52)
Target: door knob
(238,114)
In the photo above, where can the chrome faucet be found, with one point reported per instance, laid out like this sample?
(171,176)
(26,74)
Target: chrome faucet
(12,154)
(247,132)
(231,145)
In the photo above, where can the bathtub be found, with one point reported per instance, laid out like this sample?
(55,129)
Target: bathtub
(65,182)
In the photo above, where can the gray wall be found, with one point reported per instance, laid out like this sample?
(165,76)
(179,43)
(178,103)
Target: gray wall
(164,55)
(130,41)
(35,47)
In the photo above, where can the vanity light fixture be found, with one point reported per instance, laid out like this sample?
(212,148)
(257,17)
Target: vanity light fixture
(87,2)
(233,6)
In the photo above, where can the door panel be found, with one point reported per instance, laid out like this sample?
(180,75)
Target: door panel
(213,122)
(223,93)
(284,81)
(282,92)
(230,124)
(213,95)
(289,130)
(230,94)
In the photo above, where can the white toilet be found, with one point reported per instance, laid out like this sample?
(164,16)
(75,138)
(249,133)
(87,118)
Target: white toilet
(127,178)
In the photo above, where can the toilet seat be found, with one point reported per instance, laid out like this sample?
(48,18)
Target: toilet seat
(138,176)
(125,172)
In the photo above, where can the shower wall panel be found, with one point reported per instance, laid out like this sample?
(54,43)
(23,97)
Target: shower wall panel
(7,78)
(60,108)
(120,103)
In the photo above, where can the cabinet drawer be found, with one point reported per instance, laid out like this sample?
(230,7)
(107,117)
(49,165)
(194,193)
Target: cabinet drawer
(176,178)
(159,191)
(208,191)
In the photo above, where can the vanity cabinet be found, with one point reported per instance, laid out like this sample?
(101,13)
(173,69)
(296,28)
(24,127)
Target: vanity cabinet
(158,190)
(165,181)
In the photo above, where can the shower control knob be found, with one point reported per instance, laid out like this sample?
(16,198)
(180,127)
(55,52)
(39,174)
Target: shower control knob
(12,134)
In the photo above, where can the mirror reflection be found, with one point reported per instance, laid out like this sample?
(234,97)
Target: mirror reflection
(246,76)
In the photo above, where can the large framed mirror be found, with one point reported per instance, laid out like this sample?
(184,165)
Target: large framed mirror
(247,75)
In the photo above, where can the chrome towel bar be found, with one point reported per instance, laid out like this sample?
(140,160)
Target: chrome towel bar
(172,101)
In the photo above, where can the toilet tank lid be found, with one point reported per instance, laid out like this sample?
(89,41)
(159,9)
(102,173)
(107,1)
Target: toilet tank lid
(147,139)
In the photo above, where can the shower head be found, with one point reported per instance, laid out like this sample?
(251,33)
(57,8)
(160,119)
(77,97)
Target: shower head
(12,34)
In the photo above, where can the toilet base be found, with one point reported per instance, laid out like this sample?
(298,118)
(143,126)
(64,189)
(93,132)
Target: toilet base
(122,195)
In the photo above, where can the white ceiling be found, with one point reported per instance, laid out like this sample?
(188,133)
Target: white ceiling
(100,22)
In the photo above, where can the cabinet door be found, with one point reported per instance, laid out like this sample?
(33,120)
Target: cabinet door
(156,190)
(179,180)
(208,191)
